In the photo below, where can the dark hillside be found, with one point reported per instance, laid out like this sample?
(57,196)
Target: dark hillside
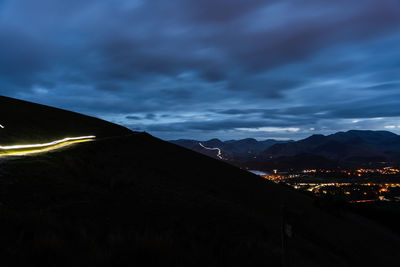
(27,123)
(134,200)
(137,199)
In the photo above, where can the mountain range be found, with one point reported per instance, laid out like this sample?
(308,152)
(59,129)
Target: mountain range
(129,199)
(232,150)
(351,148)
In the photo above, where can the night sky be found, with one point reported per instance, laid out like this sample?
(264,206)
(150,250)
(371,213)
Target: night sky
(199,69)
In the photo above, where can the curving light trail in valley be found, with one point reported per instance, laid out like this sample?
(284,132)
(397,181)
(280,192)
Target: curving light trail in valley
(219,155)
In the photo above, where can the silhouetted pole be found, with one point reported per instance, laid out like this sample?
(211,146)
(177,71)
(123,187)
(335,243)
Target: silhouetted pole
(283,234)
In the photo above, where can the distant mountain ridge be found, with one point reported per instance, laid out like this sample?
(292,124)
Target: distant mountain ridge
(342,145)
(236,150)
(353,147)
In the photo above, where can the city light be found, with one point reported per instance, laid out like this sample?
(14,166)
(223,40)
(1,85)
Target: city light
(352,186)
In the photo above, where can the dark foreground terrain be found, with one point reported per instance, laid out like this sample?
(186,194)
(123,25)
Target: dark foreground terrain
(29,123)
(135,200)
(138,199)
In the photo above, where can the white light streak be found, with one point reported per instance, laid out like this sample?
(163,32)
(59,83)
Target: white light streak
(219,155)
(67,139)
(1,126)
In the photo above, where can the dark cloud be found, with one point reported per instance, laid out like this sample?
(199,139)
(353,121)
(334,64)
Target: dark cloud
(177,94)
(385,86)
(221,11)
(109,87)
(243,111)
(368,110)
(202,66)
(150,116)
(205,126)
(133,117)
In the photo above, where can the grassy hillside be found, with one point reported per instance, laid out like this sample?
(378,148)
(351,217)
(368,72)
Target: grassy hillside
(27,123)
(137,199)
(134,200)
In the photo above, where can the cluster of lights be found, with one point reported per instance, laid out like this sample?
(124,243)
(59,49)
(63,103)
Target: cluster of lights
(359,172)
(376,191)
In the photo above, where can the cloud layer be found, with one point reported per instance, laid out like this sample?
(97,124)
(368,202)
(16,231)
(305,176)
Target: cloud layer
(212,68)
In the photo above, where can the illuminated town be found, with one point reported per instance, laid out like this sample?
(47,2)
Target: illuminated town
(351,186)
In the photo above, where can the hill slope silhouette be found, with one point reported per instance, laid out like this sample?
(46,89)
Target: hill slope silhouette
(137,200)
(27,123)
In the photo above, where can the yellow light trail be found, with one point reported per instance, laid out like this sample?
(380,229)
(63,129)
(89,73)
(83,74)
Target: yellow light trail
(20,150)
(47,144)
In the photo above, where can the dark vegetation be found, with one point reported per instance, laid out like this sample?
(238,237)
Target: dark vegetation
(387,213)
(124,200)
(135,200)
